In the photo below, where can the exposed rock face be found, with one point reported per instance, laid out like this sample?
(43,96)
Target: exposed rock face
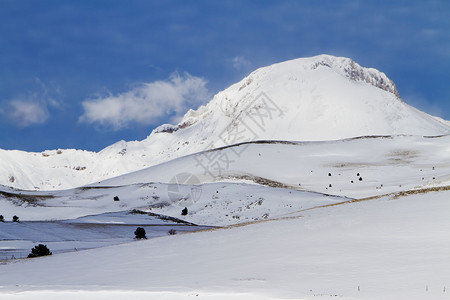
(357,73)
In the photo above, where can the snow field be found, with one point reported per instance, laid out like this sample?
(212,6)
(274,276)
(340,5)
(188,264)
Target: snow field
(391,249)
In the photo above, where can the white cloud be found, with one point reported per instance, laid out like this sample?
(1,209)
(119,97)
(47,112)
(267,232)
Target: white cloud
(147,103)
(241,63)
(24,113)
(32,108)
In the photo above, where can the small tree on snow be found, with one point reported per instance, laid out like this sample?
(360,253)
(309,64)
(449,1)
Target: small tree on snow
(15,219)
(184,212)
(2,219)
(140,233)
(39,250)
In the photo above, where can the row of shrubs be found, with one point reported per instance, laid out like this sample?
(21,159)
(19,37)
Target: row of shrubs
(141,234)
(184,212)
(14,218)
(42,250)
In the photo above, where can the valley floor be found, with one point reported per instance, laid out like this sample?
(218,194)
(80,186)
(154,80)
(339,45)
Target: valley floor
(386,248)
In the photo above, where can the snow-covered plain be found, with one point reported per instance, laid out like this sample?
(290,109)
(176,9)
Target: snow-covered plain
(310,179)
(94,231)
(377,249)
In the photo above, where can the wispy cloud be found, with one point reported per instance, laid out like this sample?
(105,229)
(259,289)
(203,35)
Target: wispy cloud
(24,113)
(32,108)
(147,103)
(241,63)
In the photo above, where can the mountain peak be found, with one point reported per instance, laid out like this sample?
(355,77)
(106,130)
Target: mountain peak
(320,98)
(317,98)
(355,72)
(342,65)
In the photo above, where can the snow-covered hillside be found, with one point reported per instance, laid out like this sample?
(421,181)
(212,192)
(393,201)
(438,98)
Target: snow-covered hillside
(385,249)
(360,167)
(252,181)
(361,218)
(308,99)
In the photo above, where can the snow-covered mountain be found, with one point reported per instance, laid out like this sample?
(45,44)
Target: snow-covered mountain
(356,218)
(384,237)
(307,99)
(267,180)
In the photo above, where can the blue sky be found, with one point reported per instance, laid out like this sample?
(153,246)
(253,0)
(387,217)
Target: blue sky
(85,74)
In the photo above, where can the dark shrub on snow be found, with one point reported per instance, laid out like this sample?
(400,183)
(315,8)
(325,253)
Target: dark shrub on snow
(39,250)
(184,212)
(140,233)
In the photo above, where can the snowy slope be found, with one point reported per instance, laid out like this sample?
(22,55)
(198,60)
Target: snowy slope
(267,180)
(240,175)
(94,231)
(287,239)
(356,168)
(318,98)
(216,204)
(308,99)
(381,249)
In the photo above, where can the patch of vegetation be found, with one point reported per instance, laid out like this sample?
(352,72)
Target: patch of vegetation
(86,188)
(161,217)
(259,180)
(370,137)
(256,143)
(39,250)
(403,156)
(160,205)
(421,191)
(433,136)
(184,212)
(140,233)
(19,198)
(138,212)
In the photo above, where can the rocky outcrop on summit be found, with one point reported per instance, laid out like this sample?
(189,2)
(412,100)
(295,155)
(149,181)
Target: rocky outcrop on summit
(355,72)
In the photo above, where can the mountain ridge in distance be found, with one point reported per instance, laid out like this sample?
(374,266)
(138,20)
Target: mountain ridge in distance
(319,98)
